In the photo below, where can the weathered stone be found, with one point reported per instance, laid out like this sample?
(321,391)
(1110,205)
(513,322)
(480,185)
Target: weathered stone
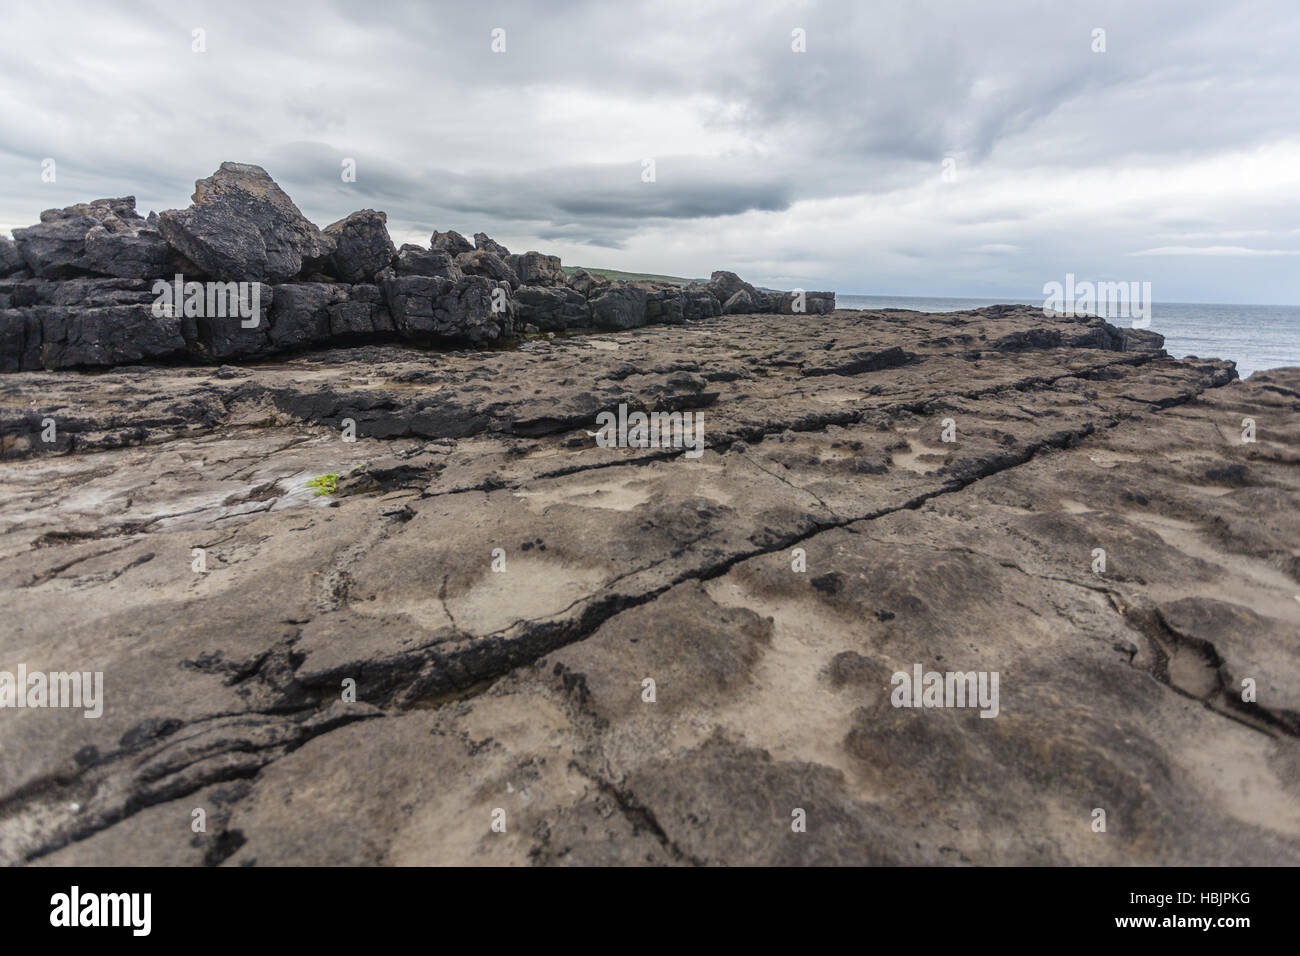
(451,242)
(105,237)
(551,309)
(20,340)
(433,308)
(300,313)
(106,335)
(724,285)
(586,283)
(10,260)
(665,307)
(814,303)
(242,226)
(619,307)
(486,243)
(699,304)
(362,246)
(480,262)
(533,268)
(218,338)
(413,261)
(365,313)
(744,302)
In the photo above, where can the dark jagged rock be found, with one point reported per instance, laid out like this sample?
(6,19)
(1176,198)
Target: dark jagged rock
(213,339)
(619,307)
(106,335)
(533,268)
(742,302)
(434,308)
(411,260)
(299,315)
(10,260)
(451,242)
(724,285)
(106,237)
(699,304)
(481,262)
(664,306)
(362,246)
(242,226)
(586,283)
(365,313)
(552,309)
(814,303)
(483,241)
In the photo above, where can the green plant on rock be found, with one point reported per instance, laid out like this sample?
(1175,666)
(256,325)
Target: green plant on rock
(325,484)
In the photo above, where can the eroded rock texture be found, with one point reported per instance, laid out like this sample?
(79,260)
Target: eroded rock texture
(522,690)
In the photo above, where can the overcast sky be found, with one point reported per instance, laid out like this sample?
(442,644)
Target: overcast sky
(1173,157)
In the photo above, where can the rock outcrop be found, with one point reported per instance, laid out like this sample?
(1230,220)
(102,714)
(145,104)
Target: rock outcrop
(106,237)
(75,289)
(828,538)
(243,227)
(361,246)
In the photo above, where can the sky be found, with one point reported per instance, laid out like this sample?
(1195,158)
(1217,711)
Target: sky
(910,148)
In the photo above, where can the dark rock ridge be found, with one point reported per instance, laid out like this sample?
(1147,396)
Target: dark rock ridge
(77,290)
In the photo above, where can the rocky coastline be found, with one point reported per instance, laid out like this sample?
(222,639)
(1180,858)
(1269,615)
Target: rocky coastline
(79,289)
(440,654)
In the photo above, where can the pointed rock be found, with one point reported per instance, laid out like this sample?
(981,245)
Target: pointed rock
(242,227)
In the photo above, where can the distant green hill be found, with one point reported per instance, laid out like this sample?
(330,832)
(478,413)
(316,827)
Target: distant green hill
(626,276)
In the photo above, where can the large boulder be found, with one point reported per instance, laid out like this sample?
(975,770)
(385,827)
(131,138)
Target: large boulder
(551,309)
(586,283)
(364,313)
(362,246)
(534,268)
(216,338)
(619,307)
(451,242)
(243,227)
(427,309)
(106,237)
(699,304)
(664,306)
(413,261)
(299,314)
(489,265)
(743,302)
(483,241)
(724,285)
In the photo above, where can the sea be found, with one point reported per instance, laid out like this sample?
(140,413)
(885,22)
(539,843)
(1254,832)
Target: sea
(1256,337)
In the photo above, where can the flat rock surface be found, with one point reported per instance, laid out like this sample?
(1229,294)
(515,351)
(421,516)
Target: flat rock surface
(828,537)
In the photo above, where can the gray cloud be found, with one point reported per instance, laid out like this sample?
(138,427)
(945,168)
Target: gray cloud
(821,169)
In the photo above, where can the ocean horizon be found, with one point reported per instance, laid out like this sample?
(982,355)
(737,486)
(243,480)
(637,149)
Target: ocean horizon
(1256,337)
